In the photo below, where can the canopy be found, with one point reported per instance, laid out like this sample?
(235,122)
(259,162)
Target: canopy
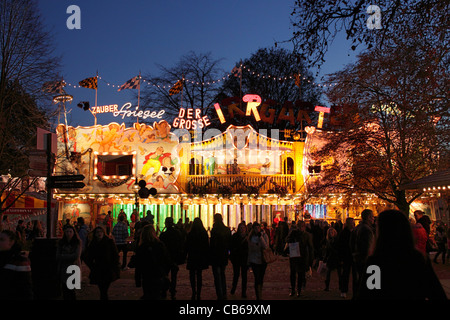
(439,180)
(26,204)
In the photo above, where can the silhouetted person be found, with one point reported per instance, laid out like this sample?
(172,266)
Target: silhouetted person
(361,240)
(405,273)
(239,258)
(197,245)
(219,247)
(152,264)
(345,255)
(173,241)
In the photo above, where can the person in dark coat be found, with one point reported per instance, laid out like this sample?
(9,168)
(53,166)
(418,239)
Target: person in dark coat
(345,255)
(239,258)
(281,233)
(219,246)
(403,271)
(173,240)
(152,265)
(331,256)
(15,270)
(197,246)
(298,265)
(102,258)
(361,242)
(68,252)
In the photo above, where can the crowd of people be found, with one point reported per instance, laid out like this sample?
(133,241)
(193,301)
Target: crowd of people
(398,246)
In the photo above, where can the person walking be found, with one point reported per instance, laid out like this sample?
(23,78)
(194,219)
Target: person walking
(68,253)
(120,234)
(173,240)
(345,255)
(331,256)
(281,233)
(152,265)
(258,241)
(361,242)
(197,245)
(301,256)
(441,240)
(83,233)
(102,258)
(405,273)
(239,258)
(425,221)
(420,236)
(107,222)
(15,270)
(219,246)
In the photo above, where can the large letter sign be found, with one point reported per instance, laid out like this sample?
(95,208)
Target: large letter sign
(253,100)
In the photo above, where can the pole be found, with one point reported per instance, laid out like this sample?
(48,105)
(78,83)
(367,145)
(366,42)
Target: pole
(181,95)
(96,89)
(49,189)
(139,94)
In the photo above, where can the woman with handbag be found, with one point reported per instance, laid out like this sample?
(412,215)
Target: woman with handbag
(258,241)
(301,255)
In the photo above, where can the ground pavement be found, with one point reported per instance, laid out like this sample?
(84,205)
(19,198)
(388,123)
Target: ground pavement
(276,284)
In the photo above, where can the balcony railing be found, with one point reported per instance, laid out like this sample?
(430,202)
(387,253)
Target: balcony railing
(243,183)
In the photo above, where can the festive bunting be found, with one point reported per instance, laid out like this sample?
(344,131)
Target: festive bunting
(90,83)
(133,83)
(176,88)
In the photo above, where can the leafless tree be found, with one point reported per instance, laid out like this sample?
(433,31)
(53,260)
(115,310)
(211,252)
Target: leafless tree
(316,23)
(27,62)
(199,71)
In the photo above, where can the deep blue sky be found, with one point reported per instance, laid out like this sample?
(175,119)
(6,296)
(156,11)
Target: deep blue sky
(120,38)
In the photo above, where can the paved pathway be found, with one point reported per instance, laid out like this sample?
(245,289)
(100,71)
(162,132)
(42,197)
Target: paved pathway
(276,285)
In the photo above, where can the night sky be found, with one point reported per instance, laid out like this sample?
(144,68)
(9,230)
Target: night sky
(120,38)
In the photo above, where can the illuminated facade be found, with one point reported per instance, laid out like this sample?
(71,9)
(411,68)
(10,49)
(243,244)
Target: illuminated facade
(240,173)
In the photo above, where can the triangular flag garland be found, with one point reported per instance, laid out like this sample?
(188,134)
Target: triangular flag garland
(135,82)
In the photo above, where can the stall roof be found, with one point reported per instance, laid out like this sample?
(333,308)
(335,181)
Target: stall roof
(437,179)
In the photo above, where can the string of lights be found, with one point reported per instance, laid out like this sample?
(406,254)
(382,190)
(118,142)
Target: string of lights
(217,81)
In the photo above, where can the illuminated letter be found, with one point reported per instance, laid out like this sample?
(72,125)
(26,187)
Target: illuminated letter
(219,113)
(181,113)
(74,21)
(253,101)
(322,110)
(271,117)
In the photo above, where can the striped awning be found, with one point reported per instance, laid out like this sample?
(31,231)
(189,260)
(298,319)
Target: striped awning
(25,205)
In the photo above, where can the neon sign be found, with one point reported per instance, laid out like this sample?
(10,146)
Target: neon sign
(321,111)
(190,119)
(265,114)
(126,111)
